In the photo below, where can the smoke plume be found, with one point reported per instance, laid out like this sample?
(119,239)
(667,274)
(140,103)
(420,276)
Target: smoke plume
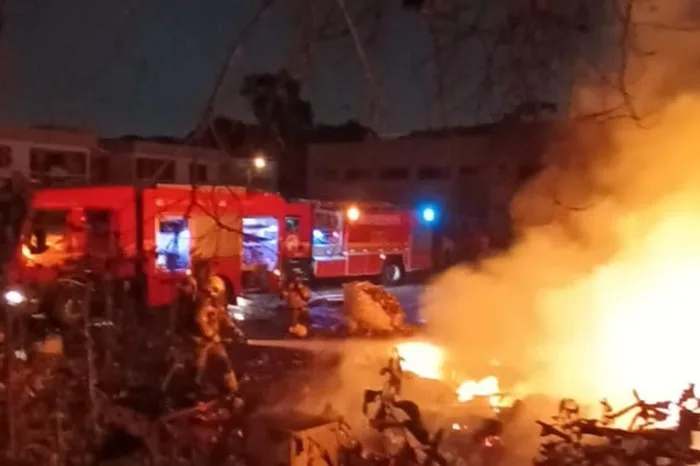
(601,292)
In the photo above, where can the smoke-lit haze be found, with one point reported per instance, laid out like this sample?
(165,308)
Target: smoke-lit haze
(601,292)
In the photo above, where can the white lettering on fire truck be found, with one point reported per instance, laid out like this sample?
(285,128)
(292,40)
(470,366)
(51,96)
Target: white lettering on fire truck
(380,219)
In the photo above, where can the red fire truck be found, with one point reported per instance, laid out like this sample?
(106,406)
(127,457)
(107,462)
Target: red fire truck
(166,225)
(341,239)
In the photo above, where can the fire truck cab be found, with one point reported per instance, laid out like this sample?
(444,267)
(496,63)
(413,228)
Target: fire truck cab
(157,231)
(324,240)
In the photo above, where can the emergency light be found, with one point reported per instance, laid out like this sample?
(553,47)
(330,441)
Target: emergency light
(353,213)
(429,214)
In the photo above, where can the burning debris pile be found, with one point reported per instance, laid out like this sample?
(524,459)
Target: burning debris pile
(656,432)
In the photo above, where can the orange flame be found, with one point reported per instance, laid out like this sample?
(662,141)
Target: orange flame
(427,361)
(423,359)
(470,389)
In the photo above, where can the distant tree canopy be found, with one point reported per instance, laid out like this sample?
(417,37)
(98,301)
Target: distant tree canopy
(276,102)
(350,131)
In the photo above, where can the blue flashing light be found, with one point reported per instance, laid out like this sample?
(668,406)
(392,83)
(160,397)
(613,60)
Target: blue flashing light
(429,214)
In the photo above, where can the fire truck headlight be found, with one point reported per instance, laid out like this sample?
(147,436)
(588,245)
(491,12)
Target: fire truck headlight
(353,213)
(14,297)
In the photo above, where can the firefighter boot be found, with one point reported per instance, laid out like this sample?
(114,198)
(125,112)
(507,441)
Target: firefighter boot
(299,330)
(298,326)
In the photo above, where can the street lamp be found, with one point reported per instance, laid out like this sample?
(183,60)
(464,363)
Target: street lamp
(259,162)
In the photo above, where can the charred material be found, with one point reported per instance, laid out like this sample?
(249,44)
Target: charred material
(392,414)
(570,438)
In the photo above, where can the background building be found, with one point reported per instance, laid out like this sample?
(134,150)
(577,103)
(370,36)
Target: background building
(52,156)
(471,174)
(147,161)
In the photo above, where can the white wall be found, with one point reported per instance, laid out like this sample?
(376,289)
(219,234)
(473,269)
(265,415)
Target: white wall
(21,155)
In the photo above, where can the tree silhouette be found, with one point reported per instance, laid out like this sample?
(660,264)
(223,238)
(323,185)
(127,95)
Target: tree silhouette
(285,119)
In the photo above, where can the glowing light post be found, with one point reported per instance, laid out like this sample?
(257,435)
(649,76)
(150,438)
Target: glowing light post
(258,165)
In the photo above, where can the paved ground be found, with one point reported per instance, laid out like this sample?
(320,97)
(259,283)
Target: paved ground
(264,315)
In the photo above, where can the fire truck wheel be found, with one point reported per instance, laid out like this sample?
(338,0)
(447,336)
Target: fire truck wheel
(68,304)
(392,274)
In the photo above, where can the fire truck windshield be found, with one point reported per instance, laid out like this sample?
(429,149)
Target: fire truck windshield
(173,240)
(47,230)
(327,234)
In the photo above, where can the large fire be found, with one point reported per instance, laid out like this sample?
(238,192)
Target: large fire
(642,319)
(427,360)
(423,359)
(643,309)
(600,298)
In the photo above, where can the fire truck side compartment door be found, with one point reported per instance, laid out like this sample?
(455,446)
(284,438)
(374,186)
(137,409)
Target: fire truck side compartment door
(217,238)
(421,250)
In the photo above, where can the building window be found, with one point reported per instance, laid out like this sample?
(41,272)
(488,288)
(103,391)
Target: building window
(432,173)
(198,173)
(393,173)
(327,174)
(155,170)
(5,156)
(355,174)
(47,164)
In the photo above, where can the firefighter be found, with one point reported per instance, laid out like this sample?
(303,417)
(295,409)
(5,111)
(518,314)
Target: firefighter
(210,318)
(296,296)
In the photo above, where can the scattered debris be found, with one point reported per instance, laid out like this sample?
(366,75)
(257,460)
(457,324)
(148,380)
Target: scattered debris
(648,438)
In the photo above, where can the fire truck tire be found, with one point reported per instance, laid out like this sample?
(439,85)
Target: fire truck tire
(67,304)
(392,273)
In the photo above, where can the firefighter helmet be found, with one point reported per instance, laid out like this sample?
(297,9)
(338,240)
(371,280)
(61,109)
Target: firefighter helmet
(216,287)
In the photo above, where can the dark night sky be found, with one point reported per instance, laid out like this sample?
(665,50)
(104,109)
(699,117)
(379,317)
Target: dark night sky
(147,66)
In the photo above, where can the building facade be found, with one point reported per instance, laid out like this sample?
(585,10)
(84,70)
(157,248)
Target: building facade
(141,161)
(52,156)
(472,177)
